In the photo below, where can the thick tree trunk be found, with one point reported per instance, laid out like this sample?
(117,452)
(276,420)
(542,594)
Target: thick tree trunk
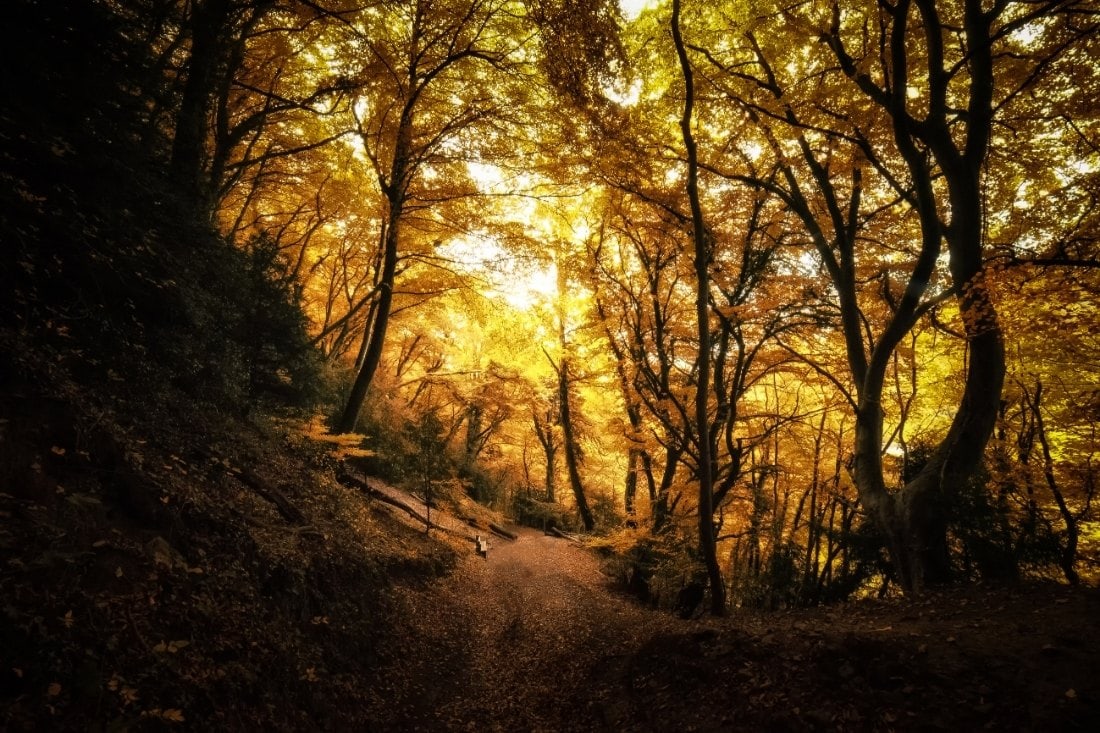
(913,521)
(208,26)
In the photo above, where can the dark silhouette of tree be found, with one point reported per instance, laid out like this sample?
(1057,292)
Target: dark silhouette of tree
(701,239)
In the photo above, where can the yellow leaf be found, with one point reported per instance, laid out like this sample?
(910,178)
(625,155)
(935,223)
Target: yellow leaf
(173,714)
(57,450)
(54,689)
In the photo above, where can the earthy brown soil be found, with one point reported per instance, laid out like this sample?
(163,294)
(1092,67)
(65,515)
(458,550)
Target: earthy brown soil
(533,638)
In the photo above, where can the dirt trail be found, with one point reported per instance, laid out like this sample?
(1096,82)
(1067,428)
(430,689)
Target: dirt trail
(553,639)
(530,638)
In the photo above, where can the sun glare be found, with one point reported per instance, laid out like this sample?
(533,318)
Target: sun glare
(520,283)
(633,8)
(525,292)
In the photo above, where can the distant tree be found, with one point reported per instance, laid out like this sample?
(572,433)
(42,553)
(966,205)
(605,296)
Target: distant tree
(427,69)
(637,279)
(544,418)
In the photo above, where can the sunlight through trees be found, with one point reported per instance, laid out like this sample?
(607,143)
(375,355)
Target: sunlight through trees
(799,300)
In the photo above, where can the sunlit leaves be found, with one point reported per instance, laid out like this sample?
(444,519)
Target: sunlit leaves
(536,154)
(580,44)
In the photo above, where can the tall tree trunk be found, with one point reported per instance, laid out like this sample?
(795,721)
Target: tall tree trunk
(662,511)
(635,455)
(572,451)
(550,483)
(812,567)
(700,236)
(208,25)
(395,189)
(377,337)
(630,489)
(544,431)
(1069,552)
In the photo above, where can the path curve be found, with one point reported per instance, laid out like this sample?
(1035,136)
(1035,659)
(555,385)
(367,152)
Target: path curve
(530,638)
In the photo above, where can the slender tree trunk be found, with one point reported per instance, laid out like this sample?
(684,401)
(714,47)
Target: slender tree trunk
(572,452)
(377,337)
(550,483)
(812,568)
(707,543)
(1069,552)
(633,413)
(650,481)
(471,448)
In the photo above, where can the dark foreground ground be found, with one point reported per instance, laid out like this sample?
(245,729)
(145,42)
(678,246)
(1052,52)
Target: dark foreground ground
(173,559)
(532,639)
(170,573)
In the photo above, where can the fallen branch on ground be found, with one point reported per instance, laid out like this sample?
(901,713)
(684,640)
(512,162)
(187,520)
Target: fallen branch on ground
(261,486)
(497,529)
(290,512)
(558,533)
(347,478)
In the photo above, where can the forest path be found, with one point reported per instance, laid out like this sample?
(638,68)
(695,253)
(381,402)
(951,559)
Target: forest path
(529,638)
(551,641)
(532,638)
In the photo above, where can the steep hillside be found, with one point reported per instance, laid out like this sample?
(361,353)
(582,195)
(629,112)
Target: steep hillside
(171,550)
(179,564)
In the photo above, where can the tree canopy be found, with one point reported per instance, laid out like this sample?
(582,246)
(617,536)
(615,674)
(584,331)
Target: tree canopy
(801,298)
